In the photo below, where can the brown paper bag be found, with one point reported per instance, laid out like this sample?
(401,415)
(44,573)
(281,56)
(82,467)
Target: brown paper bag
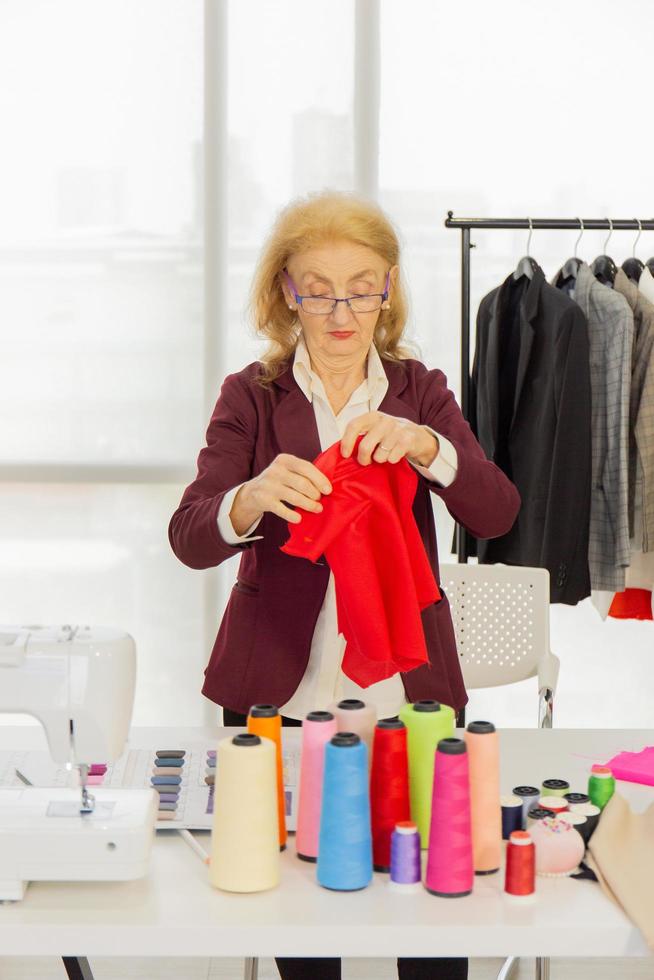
(621,853)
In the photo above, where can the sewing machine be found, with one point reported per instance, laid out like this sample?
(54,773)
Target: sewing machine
(79,683)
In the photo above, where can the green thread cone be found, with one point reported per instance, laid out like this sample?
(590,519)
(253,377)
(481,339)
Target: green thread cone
(601,786)
(427,722)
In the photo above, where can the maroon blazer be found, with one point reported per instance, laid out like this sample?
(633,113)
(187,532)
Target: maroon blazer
(264,640)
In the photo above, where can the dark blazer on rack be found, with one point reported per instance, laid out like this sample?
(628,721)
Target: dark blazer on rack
(264,640)
(531,411)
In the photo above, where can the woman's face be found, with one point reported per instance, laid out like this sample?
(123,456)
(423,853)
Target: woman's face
(338,269)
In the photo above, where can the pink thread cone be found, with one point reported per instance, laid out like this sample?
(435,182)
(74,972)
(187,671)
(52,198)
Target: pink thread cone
(317,729)
(356,716)
(449,858)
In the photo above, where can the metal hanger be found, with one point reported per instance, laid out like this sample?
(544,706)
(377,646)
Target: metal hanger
(650,265)
(527,266)
(571,267)
(632,266)
(604,268)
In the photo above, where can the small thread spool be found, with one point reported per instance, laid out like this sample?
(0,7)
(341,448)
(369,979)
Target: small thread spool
(520,876)
(405,857)
(555,787)
(557,804)
(264,720)
(389,788)
(537,813)
(427,722)
(245,835)
(449,858)
(345,845)
(592,814)
(317,729)
(356,716)
(572,798)
(601,785)
(511,815)
(576,820)
(530,796)
(483,746)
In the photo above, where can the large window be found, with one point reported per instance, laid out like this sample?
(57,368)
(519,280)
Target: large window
(101,325)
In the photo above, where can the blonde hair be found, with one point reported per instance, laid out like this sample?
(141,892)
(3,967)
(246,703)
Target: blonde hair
(305,223)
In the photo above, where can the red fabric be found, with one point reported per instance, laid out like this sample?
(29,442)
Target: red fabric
(632,604)
(382,575)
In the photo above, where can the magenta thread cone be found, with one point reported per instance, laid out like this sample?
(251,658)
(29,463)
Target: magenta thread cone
(449,859)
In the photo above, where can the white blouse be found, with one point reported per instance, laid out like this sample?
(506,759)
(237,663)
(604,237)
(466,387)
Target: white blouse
(323,681)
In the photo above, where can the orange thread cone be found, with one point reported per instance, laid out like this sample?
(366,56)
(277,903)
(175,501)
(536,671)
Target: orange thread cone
(264,720)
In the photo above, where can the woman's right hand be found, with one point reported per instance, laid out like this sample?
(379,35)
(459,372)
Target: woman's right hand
(288,480)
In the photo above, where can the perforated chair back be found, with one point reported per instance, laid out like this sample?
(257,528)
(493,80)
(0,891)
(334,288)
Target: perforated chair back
(501,621)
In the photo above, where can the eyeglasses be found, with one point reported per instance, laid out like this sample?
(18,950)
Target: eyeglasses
(323,305)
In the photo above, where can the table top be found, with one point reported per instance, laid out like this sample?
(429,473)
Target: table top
(174,911)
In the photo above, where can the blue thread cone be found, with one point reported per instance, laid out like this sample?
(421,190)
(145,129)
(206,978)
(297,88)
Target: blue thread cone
(345,844)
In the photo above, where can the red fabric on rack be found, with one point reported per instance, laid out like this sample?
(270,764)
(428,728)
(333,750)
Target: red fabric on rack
(632,604)
(382,575)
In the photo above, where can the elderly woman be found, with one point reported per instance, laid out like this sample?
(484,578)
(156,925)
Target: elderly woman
(328,297)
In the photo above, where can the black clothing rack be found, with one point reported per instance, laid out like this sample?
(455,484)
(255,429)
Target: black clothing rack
(465,225)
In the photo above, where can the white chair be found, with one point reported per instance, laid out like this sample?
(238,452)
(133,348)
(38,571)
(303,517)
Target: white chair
(502,627)
(501,616)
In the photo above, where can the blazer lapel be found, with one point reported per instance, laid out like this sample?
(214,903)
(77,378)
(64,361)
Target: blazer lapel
(490,391)
(294,420)
(526,341)
(391,403)
(528,311)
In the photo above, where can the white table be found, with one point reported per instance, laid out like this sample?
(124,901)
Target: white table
(175,912)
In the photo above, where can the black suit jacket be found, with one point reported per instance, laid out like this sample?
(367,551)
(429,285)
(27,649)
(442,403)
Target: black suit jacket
(530,409)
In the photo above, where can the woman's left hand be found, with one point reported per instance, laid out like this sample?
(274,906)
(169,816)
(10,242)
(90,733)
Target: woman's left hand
(388,439)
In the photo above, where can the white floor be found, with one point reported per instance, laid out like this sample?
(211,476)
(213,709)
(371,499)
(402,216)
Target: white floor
(48,968)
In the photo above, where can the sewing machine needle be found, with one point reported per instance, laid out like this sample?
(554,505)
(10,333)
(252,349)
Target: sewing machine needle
(23,778)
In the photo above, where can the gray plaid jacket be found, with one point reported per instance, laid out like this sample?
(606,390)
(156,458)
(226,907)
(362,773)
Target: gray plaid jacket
(610,335)
(641,410)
